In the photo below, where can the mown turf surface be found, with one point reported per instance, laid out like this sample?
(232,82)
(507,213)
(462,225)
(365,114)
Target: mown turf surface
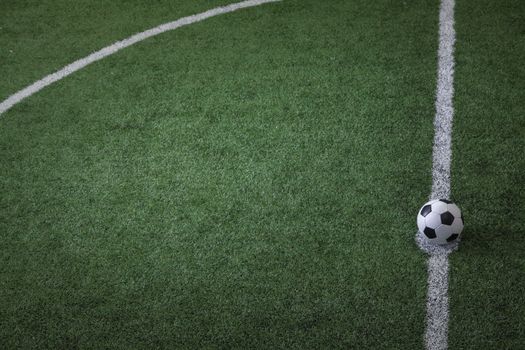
(250,181)
(40,37)
(487,287)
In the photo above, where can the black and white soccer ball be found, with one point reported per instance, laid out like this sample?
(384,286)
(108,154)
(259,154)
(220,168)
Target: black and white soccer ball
(440,221)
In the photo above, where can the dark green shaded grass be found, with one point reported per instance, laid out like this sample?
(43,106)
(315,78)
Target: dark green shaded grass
(245,182)
(487,287)
(40,37)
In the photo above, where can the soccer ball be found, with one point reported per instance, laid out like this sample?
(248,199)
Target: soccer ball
(440,221)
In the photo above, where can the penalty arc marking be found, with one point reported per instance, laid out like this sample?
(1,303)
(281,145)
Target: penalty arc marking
(119,45)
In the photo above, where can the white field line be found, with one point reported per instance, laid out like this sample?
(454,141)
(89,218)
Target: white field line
(436,334)
(119,45)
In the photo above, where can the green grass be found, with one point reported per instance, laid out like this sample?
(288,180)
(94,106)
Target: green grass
(251,181)
(40,37)
(487,287)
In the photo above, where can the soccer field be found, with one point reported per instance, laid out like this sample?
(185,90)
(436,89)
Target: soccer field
(251,180)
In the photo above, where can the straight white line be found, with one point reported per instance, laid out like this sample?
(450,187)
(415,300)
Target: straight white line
(437,302)
(442,152)
(436,334)
(119,45)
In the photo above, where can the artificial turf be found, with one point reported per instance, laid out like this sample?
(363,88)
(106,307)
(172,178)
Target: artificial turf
(40,37)
(487,290)
(250,181)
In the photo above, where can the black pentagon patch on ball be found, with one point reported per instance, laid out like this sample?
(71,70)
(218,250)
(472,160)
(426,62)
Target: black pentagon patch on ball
(447,218)
(445,201)
(426,210)
(429,232)
(452,237)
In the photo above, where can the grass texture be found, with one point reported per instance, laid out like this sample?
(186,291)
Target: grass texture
(40,37)
(251,181)
(487,288)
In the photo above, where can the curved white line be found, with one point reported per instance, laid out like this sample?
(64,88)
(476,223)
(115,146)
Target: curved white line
(119,45)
